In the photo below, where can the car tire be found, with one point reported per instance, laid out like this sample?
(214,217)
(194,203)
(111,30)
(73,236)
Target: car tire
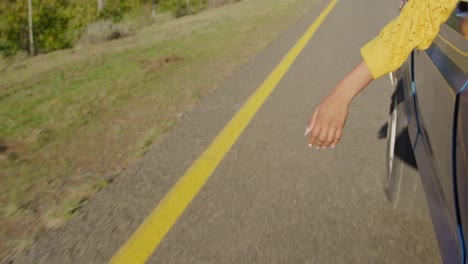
(403,188)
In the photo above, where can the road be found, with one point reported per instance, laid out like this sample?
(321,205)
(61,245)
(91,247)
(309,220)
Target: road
(271,199)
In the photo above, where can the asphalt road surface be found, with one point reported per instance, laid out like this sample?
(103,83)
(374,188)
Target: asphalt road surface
(271,199)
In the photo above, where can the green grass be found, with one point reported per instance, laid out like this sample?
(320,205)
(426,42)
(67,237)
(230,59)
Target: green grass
(73,117)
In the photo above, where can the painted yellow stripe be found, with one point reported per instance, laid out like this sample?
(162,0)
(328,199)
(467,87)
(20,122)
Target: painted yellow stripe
(148,236)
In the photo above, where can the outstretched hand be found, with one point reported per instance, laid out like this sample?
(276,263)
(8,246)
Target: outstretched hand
(327,122)
(326,125)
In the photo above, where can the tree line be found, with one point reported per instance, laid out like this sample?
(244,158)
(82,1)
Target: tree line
(41,26)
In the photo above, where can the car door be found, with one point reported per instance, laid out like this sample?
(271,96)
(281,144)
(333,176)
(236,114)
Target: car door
(459,24)
(438,77)
(461,161)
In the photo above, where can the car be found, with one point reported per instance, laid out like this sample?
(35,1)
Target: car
(427,136)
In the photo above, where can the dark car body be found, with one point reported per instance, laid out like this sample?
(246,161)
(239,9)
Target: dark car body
(435,96)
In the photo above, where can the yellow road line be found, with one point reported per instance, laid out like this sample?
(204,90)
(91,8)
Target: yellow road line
(148,236)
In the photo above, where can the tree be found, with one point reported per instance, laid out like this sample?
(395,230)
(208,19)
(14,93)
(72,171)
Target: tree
(31,35)
(153,8)
(50,19)
(100,4)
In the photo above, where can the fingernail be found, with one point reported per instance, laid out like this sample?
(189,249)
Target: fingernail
(310,145)
(307,131)
(333,146)
(324,147)
(317,147)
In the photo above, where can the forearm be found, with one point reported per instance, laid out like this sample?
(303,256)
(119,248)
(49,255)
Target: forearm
(354,82)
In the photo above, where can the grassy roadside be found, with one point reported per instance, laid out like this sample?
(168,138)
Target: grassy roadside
(70,120)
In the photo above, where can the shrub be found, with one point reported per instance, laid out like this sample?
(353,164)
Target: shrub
(57,24)
(216,3)
(115,10)
(179,7)
(51,26)
(50,20)
(103,30)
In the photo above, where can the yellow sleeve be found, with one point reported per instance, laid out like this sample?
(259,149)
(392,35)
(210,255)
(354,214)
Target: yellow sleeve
(416,27)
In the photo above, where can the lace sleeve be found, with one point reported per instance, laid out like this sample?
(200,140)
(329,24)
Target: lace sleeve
(416,27)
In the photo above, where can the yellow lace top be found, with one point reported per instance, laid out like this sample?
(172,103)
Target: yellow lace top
(416,27)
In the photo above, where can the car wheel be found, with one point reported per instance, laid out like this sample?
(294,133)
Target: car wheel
(403,188)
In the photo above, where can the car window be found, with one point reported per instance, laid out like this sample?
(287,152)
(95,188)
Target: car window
(459,19)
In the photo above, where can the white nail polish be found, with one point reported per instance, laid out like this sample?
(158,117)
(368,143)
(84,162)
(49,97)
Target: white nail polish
(307,131)
(333,146)
(310,145)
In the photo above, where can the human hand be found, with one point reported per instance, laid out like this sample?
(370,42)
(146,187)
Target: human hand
(328,120)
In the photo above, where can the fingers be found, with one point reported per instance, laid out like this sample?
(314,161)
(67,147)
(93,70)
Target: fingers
(318,135)
(312,122)
(324,135)
(330,137)
(338,134)
(315,133)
